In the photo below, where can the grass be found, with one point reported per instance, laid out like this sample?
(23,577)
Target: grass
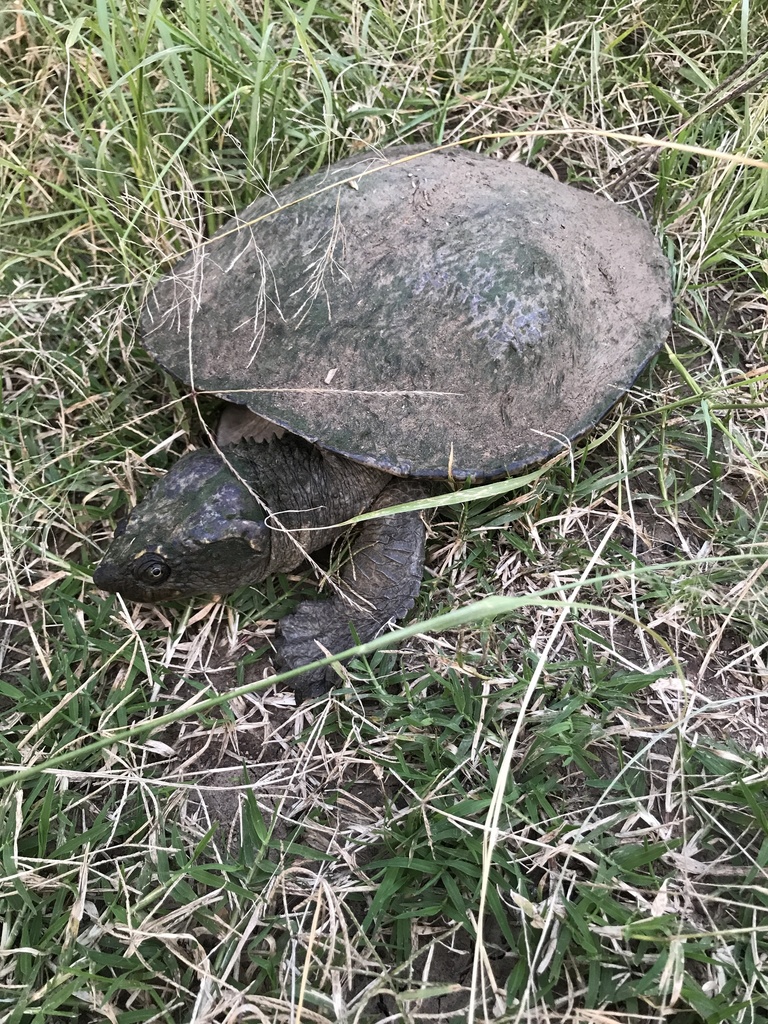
(550,806)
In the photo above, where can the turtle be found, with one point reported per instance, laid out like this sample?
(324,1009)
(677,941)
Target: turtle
(401,317)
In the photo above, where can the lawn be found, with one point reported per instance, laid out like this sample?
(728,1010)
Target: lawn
(547,798)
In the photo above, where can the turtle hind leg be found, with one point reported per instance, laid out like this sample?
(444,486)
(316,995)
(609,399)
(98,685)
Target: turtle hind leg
(380,582)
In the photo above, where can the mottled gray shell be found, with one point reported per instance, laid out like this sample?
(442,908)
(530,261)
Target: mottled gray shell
(433,314)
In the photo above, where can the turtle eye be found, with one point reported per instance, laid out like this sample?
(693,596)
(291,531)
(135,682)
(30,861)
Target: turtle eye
(152,569)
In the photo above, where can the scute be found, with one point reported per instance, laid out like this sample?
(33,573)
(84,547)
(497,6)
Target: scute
(429,313)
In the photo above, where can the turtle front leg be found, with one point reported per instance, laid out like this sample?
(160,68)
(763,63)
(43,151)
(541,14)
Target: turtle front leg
(382,579)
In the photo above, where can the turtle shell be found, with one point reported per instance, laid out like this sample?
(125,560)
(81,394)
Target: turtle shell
(435,314)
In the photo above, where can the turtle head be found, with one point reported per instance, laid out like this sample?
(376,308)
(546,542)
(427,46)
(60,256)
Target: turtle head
(198,531)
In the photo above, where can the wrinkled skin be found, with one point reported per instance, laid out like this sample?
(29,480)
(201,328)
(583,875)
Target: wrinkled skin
(203,530)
